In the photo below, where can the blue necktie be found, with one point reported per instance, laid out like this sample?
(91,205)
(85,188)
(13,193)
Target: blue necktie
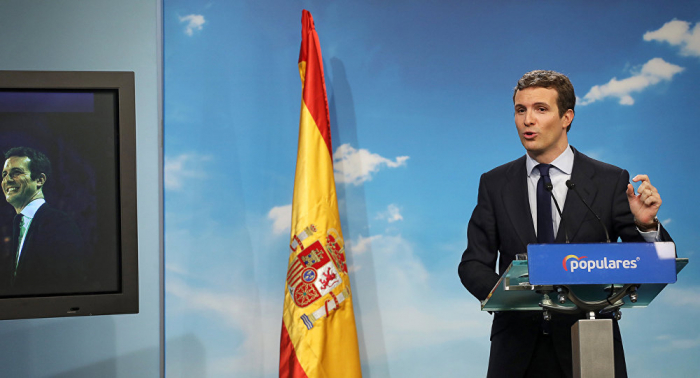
(545,225)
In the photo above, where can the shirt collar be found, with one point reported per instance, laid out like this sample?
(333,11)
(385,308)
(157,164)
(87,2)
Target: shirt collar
(32,207)
(563,162)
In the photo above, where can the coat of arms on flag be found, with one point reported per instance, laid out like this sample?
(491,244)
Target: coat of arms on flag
(313,274)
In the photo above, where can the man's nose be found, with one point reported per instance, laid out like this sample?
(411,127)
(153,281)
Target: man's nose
(529,119)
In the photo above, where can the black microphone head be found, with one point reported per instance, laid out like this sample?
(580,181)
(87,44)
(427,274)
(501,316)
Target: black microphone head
(570,184)
(548,186)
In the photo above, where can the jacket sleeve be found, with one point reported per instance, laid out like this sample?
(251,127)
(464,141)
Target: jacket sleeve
(477,270)
(623,220)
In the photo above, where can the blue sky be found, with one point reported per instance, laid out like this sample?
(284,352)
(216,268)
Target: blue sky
(420,102)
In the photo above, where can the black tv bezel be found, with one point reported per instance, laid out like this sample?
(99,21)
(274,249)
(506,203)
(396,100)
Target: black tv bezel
(125,301)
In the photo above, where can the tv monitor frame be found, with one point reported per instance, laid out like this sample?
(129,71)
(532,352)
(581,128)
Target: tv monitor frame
(125,300)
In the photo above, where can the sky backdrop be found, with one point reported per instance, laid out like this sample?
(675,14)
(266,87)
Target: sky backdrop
(420,97)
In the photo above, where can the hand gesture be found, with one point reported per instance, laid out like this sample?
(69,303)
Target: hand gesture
(645,204)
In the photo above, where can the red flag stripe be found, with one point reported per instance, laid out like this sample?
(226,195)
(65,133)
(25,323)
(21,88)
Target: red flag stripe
(314,92)
(289,364)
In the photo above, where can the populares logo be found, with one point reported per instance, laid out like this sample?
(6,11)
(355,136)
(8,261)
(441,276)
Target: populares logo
(573,262)
(571,257)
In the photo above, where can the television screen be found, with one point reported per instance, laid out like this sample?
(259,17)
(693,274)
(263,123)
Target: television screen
(68,236)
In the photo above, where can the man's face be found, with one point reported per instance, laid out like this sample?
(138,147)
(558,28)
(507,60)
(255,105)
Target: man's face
(542,132)
(17,184)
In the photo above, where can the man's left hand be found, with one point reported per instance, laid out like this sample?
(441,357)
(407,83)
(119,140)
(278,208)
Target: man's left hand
(645,204)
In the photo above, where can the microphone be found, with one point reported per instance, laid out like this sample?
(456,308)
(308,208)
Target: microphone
(570,184)
(549,187)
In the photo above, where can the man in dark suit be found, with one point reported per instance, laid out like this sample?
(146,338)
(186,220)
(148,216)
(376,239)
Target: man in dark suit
(47,255)
(505,220)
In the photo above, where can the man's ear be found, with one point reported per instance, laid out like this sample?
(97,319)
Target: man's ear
(40,181)
(568,117)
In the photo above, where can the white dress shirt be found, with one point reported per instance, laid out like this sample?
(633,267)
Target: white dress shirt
(28,212)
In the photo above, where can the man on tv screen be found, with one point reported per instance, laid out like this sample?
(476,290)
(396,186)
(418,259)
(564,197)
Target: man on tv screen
(47,255)
(514,208)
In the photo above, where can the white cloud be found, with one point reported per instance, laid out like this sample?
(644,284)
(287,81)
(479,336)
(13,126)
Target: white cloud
(652,72)
(356,166)
(671,342)
(685,343)
(177,169)
(194,22)
(226,280)
(683,297)
(256,317)
(281,219)
(392,214)
(176,269)
(596,154)
(678,33)
(362,244)
(406,307)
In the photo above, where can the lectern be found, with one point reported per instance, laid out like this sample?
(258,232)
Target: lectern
(591,278)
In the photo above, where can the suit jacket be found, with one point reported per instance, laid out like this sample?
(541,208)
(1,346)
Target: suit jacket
(502,223)
(53,259)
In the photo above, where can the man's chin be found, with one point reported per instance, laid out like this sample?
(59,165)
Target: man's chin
(529,143)
(532,149)
(12,201)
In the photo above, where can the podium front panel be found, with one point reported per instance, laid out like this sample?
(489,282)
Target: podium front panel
(602,263)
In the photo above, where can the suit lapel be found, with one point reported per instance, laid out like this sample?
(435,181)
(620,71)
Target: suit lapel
(517,203)
(574,210)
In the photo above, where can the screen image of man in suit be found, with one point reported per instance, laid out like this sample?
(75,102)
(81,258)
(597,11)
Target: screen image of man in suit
(47,255)
(513,210)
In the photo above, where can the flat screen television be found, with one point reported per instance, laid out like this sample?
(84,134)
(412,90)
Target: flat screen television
(69,137)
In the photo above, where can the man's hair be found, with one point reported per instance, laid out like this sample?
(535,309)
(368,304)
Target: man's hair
(566,98)
(38,162)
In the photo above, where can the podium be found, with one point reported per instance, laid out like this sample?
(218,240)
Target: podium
(591,278)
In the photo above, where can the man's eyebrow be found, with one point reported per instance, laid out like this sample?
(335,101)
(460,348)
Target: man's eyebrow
(539,103)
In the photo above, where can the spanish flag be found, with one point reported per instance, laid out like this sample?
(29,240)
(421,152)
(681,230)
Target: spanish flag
(318,324)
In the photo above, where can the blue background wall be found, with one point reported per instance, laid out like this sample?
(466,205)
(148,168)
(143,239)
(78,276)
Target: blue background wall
(420,104)
(94,35)
(419,96)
